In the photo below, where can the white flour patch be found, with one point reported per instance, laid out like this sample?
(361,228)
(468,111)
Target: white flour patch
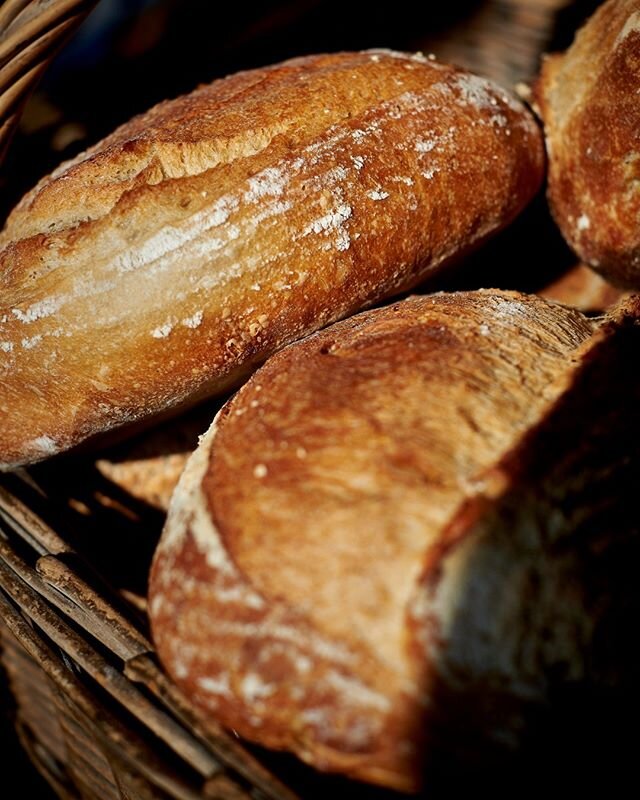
(299,638)
(240,594)
(354,691)
(336,175)
(403,179)
(40,310)
(272,210)
(584,223)
(425,145)
(28,344)
(218,685)
(483,94)
(319,718)
(43,444)
(254,688)
(509,308)
(194,321)
(268,183)
(162,331)
(180,669)
(156,604)
(632,25)
(343,241)
(331,221)
(417,56)
(172,238)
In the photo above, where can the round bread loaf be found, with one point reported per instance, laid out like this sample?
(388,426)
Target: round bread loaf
(332,561)
(588,99)
(165,263)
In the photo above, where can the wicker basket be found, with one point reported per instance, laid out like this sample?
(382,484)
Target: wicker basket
(95,713)
(97,716)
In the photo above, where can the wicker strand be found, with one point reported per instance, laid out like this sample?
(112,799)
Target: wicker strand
(18,91)
(71,595)
(119,739)
(56,582)
(90,609)
(40,47)
(34,21)
(105,675)
(28,526)
(9,10)
(31,33)
(6,131)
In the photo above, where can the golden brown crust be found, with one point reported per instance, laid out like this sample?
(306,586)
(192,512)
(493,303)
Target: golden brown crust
(151,480)
(148,466)
(583,289)
(287,595)
(588,98)
(169,260)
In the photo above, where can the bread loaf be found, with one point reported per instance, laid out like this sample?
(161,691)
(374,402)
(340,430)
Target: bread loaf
(147,467)
(166,262)
(361,534)
(588,99)
(150,479)
(583,289)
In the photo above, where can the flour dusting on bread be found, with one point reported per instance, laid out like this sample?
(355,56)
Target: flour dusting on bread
(220,226)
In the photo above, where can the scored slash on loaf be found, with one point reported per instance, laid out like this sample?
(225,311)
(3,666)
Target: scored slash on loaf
(169,260)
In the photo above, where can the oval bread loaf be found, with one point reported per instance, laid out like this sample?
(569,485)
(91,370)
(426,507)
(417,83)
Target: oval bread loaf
(344,548)
(588,99)
(166,262)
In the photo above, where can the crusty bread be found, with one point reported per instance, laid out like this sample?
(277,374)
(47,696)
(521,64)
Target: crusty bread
(588,99)
(583,289)
(150,479)
(360,533)
(165,263)
(147,467)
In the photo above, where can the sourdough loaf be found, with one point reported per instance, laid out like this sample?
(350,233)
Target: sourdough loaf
(360,556)
(588,99)
(166,262)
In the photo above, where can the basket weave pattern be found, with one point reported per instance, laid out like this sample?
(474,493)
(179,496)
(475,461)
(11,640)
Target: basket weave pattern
(96,714)
(31,33)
